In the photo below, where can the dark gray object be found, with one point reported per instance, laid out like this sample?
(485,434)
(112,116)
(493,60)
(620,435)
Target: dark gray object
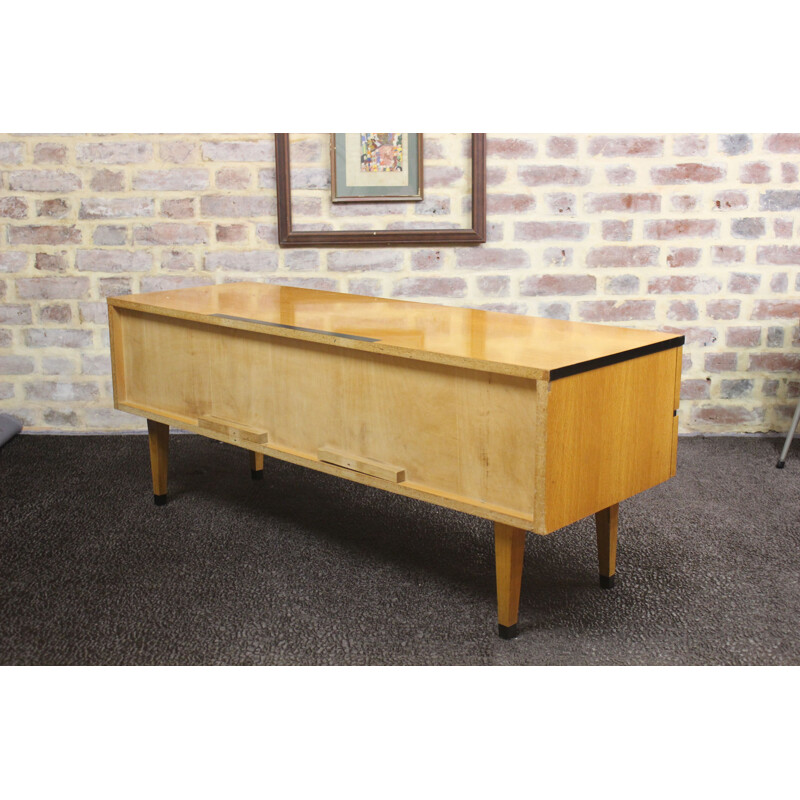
(9,428)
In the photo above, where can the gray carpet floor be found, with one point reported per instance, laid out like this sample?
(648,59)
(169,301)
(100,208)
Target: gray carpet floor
(304,568)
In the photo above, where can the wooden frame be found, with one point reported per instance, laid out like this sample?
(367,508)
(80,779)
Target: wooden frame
(287,237)
(377,194)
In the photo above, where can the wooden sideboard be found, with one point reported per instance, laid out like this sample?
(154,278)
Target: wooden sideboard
(531,423)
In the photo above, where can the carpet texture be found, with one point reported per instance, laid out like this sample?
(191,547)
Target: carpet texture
(305,568)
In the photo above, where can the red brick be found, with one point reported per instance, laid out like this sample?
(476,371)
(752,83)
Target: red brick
(301,260)
(694,335)
(695,390)
(561,204)
(690,144)
(266,178)
(723,309)
(261,150)
(15,365)
(12,262)
(11,153)
(611,311)
(177,152)
(13,207)
(562,147)
(683,310)
(537,285)
(55,313)
(364,261)
(783,143)
(44,234)
(231,233)
(621,284)
(743,337)
(172,282)
(614,147)
(551,310)
(621,256)
(113,261)
(113,287)
(620,176)
(557,256)
(52,288)
(178,260)
(430,287)
(779,283)
(617,230)
(43,180)
(495,175)
(677,228)
(52,262)
(505,308)
(426,259)
(365,286)
(510,148)
(754,172)
(728,415)
(775,362)
(233,178)
(734,144)
(687,173)
(679,284)
(595,203)
(720,362)
(51,390)
(49,153)
(778,254)
(775,309)
(351,209)
(179,208)
(242,261)
(437,176)
(748,228)
(171,180)
(494,285)
(730,200)
(325,284)
(724,254)
(170,233)
(491,258)
(742,283)
(789,173)
(15,315)
(116,207)
(114,152)
(783,228)
(510,203)
(683,257)
(110,235)
(685,202)
(237,206)
(56,208)
(535,175)
(535,231)
(105,180)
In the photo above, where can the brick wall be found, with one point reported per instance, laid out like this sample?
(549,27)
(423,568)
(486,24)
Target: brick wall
(692,233)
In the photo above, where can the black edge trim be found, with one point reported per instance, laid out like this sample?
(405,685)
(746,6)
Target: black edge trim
(616,358)
(508,631)
(298,328)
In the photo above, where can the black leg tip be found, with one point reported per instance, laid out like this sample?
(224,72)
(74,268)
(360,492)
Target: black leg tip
(257,474)
(607,582)
(508,631)
(160,499)
(780,465)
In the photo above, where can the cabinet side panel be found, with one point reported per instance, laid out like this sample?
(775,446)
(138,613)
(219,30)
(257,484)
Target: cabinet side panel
(609,436)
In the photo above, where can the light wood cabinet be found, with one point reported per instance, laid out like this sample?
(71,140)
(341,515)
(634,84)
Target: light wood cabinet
(531,423)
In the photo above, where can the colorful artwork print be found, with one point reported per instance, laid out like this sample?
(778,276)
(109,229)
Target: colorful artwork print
(382,152)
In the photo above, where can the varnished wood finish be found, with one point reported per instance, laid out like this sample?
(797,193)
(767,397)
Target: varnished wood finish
(158,435)
(509,548)
(606,522)
(287,237)
(256,462)
(530,423)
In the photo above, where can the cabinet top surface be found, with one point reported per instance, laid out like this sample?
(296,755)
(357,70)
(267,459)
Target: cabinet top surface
(506,343)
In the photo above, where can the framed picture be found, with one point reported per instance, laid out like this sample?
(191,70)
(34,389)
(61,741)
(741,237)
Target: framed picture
(376,167)
(452,214)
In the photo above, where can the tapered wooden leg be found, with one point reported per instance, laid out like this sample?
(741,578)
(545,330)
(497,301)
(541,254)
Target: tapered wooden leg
(256,466)
(606,522)
(509,549)
(159,455)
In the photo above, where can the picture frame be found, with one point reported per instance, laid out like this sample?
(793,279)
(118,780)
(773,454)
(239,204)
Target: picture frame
(433,237)
(376,167)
